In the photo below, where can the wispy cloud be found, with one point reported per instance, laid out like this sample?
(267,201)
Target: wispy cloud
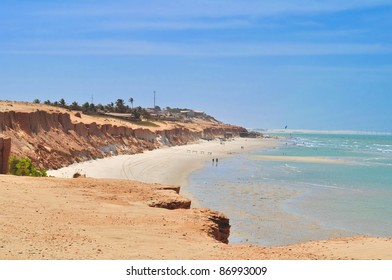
(208,8)
(172,15)
(342,33)
(127,24)
(67,29)
(91,47)
(301,49)
(133,48)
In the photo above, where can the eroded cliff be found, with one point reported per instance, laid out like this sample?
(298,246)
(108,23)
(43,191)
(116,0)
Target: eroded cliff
(55,139)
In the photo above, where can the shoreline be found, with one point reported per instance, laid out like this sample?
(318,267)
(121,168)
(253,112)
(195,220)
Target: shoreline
(167,165)
(175,165)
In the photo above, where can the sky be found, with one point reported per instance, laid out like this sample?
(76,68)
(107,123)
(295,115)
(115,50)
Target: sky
(306,64)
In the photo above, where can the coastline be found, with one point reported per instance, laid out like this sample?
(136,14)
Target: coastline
(168,165)
(90,218)
(175,165)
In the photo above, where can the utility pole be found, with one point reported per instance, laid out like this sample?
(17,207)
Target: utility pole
(154,99)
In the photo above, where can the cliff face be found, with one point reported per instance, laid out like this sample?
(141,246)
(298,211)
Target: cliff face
(52,140)
(215,223)
(5,150)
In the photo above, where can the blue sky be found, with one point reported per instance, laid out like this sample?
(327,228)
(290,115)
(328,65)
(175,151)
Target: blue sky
(259,64)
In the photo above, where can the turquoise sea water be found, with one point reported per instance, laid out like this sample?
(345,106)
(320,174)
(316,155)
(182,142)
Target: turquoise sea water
(282,201)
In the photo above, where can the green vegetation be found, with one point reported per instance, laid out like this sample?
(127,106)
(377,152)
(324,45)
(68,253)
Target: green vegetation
(147,123)
(24,167)
(137,115)
(92,109)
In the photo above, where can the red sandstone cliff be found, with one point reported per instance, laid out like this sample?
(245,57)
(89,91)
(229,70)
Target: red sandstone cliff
(54,139)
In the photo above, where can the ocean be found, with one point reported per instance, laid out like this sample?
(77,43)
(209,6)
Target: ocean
(312,186)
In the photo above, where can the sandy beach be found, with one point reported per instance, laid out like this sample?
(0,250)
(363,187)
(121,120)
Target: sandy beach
(169,165)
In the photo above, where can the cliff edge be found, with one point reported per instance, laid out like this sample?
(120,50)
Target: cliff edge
(53,137)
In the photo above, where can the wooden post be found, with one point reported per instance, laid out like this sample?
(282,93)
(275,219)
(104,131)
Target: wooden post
(5,152)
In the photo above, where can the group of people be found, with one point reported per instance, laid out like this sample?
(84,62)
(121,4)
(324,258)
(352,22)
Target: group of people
(215,161)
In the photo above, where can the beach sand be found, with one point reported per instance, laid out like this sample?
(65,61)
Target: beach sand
(88,218)
(169,165)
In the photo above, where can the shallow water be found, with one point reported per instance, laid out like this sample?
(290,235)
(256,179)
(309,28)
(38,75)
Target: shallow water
(283,202)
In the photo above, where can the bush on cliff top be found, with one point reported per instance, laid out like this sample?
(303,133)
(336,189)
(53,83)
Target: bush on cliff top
(24,167)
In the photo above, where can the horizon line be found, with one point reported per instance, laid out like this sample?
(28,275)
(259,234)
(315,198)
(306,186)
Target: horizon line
(325,131)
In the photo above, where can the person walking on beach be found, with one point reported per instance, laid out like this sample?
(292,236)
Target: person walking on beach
(216,161)
(213,161)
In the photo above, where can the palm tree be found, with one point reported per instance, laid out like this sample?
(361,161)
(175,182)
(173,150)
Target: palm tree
(120,107)
(85,107)
(62,102)
(131,100)
(109,107)
(75,106)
